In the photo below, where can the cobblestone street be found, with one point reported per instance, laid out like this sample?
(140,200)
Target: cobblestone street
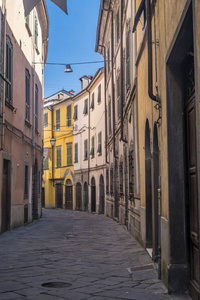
(76,255)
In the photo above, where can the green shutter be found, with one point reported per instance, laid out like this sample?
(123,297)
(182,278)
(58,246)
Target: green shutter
(58,157)
(99,93)
(69,154)
(69,115)
(128,61)
(58,119)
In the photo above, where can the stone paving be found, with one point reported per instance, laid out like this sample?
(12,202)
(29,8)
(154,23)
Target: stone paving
(75,256)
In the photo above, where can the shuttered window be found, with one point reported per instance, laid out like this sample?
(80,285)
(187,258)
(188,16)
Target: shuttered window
(58,156)
(118,97)
(45,119)
(99,94)
(85,150)
(92,102)
(58,119)
(109,117)
(69,154)
(128,61)
(76,153)
(27,91)
(26,182)
(68,115)
(9,70)
(36,107)
(75,112)
(99,150)
(92,148)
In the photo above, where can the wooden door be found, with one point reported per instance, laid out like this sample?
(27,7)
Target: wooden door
(78,197)
(101,195)
(59,195)
(93,195)
(86,196)
(69,195)
(191,185)
(5,223)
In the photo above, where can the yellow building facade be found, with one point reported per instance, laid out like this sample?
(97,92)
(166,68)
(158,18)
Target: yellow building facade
(58,177)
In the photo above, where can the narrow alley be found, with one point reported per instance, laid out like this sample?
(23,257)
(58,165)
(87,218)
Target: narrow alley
(76,255)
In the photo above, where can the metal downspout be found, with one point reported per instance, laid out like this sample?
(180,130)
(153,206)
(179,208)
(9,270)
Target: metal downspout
(122,76)
(52,135)
(112,78)
(3,77)
(88,137)
(105,80)
(149,41)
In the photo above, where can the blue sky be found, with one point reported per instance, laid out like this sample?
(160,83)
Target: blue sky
(72,39)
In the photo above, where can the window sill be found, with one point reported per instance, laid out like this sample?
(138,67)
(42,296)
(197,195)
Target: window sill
(36,49)
(27,123)
(9,105)
(28,29)
(85,159)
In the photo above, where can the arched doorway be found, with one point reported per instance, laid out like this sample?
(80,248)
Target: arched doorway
(93,195)
(78,197)
(85,196)
(156,218)
(148,187)
(101,195)
(68,195)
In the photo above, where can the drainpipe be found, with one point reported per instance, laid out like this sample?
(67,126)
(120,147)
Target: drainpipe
(149,38)
(122,75)
(105,80)
(2,75)
(52,135)
(112,78)
(88,136)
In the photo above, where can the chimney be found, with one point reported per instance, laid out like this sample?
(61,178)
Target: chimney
(85,80)
(72,92)
(60,96)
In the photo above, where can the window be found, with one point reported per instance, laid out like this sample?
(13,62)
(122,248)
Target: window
(27,88)
(107,181)
(111,180)
(39,186)
(128,61)
(46,163)
(109,117)
(28,20)
(58,156)
(26,182)
(85,150)
(99,150)
(108,58)
(69,115)
(117,26)
(58,119)
(131,173)
(9,61)
(92,148)
(36,32)
(92,102)
(99,94)
(121,177)
(75,112)
(36,107)
(45,119)
(69,154)
(118,97)
(85,110)
(76,153)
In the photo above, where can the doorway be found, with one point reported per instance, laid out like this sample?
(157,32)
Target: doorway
(78,197)
(85,196)
(93,195)
(148,187)
(59,195)
(68,195)
(101,195)
(6,196)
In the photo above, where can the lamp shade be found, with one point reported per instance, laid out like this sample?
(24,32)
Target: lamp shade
(68,69)
(53,141)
